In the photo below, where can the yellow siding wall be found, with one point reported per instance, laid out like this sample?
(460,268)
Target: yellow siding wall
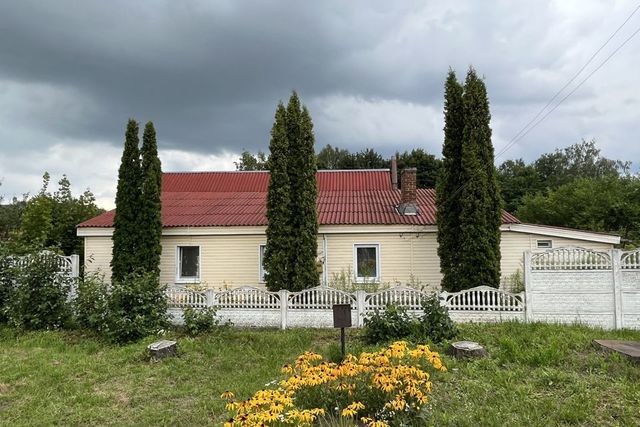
(404,257)
(97,255)
(225,261)
(233,260)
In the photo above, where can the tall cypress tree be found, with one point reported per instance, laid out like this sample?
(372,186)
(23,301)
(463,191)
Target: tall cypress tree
(149,218)
(304,194)
(277,255)
(480,214)
(126,234)
(448,188)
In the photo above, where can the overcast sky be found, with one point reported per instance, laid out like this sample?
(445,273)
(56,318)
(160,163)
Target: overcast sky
(209,74)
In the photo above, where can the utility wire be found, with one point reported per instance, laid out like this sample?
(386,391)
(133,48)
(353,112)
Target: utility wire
(514,141)
(516,136)
(527,128)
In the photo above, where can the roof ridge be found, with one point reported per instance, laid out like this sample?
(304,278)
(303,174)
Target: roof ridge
(266,171)
(203,172)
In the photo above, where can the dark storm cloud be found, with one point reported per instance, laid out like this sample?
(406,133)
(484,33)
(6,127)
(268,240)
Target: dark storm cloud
(210,73)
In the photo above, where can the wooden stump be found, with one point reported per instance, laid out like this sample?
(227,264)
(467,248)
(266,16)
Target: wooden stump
(162,349)
(466,349)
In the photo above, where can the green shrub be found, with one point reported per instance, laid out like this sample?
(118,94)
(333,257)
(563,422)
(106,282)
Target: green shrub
(6,287)
(137,307)
(434,324)
(200,320)
(39,296)
(394,322)
(91,304)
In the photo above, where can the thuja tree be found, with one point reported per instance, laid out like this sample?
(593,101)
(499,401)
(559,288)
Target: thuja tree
(149,218)
(126,234)
(290,257)
(304,192)
(277,256)
(480,202)
(448,189)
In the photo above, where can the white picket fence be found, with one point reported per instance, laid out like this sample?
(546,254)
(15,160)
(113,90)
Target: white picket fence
(254,307)
(563,285)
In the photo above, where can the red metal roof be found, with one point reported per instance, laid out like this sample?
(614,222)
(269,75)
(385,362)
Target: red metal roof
(359,197)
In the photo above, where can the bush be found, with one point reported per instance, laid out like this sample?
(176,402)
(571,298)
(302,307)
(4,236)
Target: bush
(38,298)
(6,286)
(395,322)
(388,387)
(434,324)
(200,320)
(137,307)
(92,302)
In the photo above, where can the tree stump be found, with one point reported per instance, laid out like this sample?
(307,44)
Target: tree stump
(162,349)
(466,349)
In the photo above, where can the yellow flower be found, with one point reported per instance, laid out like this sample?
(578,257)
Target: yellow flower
(375,423)
(352,409)
(227,395)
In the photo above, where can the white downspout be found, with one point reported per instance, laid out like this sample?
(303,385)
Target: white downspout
(325,280)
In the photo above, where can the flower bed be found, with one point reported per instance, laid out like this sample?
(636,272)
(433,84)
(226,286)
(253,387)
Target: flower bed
(378,389)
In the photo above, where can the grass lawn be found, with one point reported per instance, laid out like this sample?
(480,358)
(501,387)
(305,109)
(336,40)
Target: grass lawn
(535,375)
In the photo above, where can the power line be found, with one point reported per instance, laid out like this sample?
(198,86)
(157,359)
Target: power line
(526,129)
(509,144)
(572,91)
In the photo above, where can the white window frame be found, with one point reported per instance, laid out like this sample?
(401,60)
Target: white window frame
(545,241)
(261,269)
(355,263)
(179,278)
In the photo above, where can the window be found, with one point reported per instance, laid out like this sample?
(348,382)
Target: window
(188,264)
(262,271)
(544,244)
(367,262)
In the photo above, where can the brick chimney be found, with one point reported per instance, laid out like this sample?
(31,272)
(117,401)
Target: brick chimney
(409,201)
(394,172)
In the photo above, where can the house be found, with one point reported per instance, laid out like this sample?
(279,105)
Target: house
(370,230)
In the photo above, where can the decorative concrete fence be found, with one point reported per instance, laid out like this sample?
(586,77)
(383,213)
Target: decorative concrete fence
(577,285)
(484,304)
(253,307)
(563,285)
(67,265)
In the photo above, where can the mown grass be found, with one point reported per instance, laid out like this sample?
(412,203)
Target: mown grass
(535,375)
(538,375)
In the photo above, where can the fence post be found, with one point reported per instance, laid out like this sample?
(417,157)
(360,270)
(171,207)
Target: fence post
(75,265)
(616,255)
(284,304)
(210,295)
(361,296)
(442,297)
(528,307)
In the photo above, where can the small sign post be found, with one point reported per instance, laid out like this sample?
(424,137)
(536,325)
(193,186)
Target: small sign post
(342,319)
